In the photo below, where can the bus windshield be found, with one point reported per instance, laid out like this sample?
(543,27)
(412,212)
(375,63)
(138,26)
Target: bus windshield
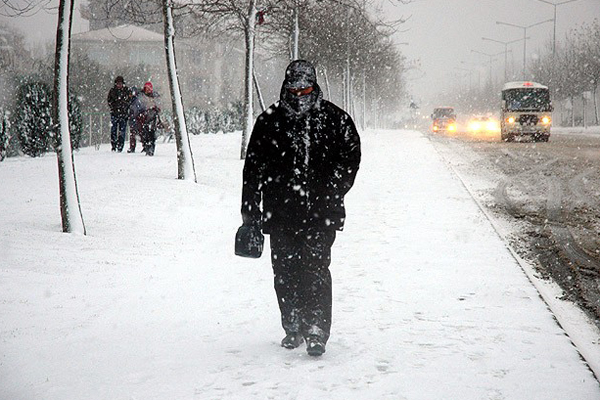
(443,113)
(527,99)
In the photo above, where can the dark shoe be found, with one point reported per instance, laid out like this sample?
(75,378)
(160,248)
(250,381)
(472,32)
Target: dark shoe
(315,346)
(131,150)
(292,340)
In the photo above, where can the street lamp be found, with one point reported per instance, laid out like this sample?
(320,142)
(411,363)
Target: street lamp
(524,38)
(469,72)
(491,56)
(555,5)
(505,52)
(471,67)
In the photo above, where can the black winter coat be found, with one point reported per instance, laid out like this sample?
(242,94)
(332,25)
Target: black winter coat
(300,168)
(118,101)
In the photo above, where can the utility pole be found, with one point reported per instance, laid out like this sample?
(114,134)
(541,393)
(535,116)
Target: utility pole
(505,52)
(524,38)
(555,5)
(491,56)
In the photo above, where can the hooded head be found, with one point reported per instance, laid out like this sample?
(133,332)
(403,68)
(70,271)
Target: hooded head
(119,79)
(300,91)
(148,88)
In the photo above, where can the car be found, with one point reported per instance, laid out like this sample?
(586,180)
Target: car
(482,125)
(444,119)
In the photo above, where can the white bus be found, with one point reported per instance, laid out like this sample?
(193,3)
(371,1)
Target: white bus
(526,111)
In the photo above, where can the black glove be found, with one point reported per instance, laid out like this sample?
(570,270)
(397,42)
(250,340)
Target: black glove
(249,241)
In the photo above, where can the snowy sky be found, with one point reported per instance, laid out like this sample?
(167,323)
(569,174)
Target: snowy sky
(441,35)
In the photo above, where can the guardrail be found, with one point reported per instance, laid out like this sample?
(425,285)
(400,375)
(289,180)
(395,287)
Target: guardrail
(96,128)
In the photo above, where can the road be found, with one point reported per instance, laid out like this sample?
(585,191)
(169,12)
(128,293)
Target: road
(550,194)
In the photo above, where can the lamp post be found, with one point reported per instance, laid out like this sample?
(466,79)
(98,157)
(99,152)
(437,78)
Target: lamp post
(505,52)
(461,76)
(524,38)
(491,56)
(555,5)
(471,67)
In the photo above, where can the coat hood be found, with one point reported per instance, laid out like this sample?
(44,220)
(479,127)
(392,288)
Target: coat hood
(300,74)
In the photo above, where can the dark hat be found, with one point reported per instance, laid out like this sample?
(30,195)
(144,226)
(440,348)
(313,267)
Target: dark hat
(300,74)
(119,79)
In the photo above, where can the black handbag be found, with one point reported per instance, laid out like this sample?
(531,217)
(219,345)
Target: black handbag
(249,242)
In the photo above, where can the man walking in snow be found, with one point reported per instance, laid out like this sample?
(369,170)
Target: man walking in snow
(118,101)
(302,159)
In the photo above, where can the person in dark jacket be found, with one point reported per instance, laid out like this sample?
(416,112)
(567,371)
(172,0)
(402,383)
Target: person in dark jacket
(118,101)
(302,159)
(135,107)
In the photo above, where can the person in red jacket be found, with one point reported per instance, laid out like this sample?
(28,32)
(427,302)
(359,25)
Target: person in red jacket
(148,117)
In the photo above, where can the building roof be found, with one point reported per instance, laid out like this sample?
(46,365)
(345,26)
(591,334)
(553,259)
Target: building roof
(122,33)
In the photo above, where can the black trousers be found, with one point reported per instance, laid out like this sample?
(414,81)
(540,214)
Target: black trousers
(148,138)
(302,279)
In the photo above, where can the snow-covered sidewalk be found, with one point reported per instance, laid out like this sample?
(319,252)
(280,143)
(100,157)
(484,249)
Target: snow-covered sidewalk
(152,304)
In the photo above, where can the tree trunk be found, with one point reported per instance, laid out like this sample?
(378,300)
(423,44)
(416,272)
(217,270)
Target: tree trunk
(185,160)
(572,111)
(261,100)
(595,92)
(364,101)
(70,209)
(327,87)
(296,34)
(583,102)
(249,32)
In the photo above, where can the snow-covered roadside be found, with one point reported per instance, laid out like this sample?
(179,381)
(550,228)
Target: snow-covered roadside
(152,304)
(578,130)
(481,183)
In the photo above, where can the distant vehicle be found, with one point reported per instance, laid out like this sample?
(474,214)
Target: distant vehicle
(526,111)
(481,125)
(444,119)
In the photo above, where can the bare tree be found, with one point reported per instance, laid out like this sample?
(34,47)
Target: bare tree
(237,16)
(589,52)
(70,209)
(185,160)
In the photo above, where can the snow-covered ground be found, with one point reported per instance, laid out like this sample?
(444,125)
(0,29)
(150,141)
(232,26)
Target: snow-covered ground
(152,304)
(580,130)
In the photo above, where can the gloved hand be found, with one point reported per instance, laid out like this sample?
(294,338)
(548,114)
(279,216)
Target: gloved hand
(249,241)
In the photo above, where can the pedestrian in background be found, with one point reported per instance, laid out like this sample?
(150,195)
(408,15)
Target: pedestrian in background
(135,129)
(302,158)
(148,118)
(118,101)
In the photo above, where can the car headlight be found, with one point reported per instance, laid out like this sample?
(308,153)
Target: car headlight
(492,126)
(546,120)
(475,126)
(452,127)
(510,120)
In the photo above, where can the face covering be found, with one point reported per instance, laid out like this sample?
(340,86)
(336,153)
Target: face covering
(299,75)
